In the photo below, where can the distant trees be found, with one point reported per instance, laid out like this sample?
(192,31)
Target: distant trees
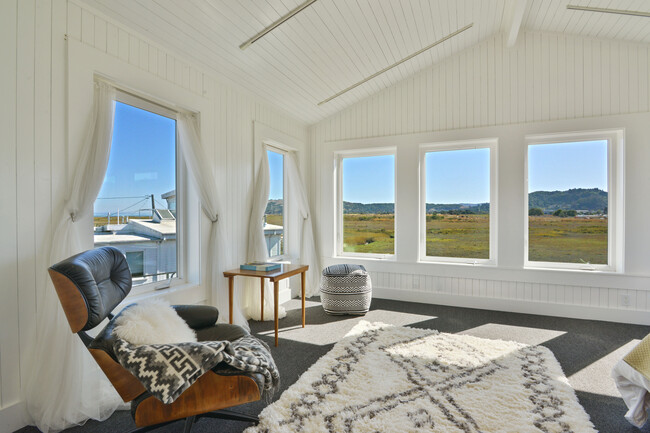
(589,199)
(565,213)
(535,211)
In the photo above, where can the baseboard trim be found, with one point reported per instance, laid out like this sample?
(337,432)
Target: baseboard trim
(13,417)
(516,306)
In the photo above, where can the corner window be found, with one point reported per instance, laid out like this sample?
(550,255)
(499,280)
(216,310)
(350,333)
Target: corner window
(274,216)
(458,202)
(366,204)
(136,208)
(573,201)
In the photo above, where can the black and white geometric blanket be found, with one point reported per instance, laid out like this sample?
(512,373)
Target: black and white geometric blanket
(166,370)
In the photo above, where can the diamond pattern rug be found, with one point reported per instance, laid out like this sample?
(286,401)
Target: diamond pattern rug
(384,378)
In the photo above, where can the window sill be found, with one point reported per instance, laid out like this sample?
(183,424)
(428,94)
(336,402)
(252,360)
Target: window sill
(473,264)
(180,290)
(590,270)
(373,257)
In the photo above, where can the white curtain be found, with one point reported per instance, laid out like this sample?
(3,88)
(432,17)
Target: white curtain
(65,386)
(257,250)
(205,183)
(301,239)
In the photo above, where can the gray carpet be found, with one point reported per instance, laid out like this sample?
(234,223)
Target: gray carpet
(586,349)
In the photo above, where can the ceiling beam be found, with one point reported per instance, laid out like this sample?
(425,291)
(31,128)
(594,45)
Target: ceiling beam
(515,23)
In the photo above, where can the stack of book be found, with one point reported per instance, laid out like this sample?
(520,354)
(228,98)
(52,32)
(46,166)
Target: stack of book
(260,266)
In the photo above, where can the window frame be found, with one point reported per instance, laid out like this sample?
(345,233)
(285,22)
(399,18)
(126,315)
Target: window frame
(147,104)
(285,256)
(484,143)
(615,197)
(339,156)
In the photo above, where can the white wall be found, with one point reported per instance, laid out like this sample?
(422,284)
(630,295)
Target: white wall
(546,83)
(33,153)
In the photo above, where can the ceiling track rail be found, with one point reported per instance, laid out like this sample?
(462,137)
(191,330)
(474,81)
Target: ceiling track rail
(277,23)
(609,11)
(388,68)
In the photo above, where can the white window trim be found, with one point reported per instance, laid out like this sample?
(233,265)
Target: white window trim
(180,279)
(338,208)
(487,143)
(615,197)
(284,151)
(86,65)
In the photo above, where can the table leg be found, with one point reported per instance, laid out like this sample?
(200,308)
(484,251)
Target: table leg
(276,293)
(302,285)
(231,283)
(262,302)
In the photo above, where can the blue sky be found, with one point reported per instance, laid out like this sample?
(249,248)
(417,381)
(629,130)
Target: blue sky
(462,176)
(142,161)
(561,166)
(458,176)
(276,177)
(369,179)
(143,155)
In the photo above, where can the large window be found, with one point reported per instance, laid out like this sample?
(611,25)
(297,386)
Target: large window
(274,216)
(572,201)
(457,202)
(366,208)
(136,208)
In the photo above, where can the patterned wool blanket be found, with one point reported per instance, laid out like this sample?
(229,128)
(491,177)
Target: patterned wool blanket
(166,370)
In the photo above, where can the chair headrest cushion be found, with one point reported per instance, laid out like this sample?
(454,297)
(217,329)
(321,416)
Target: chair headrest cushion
(102,276)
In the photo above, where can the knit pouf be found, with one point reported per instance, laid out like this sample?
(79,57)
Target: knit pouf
(345,289)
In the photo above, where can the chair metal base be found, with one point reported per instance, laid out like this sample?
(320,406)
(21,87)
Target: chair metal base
(191,420)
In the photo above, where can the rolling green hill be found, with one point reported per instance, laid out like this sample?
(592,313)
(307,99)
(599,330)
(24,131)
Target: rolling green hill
(592,199)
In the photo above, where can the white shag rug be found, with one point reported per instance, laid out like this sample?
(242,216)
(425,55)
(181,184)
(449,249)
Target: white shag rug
(384,378)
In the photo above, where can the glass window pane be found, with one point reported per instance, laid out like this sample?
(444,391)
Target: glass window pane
(567,202)
(135,260)
(136,207)
(369,204)
(458,203)
(274,214)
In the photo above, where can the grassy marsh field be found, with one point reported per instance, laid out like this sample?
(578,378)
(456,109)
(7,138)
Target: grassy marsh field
(567,240)
(277,220)
(102,221)
(552,239)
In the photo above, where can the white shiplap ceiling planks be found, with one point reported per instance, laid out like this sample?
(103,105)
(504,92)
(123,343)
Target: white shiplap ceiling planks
(553,16)
(333,44)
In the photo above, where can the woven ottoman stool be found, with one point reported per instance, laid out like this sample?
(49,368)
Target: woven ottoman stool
(345,289)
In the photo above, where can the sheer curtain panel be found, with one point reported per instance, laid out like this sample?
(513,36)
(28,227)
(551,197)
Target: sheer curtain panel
(204,181)
(301,238)
(65,387)
(257,251)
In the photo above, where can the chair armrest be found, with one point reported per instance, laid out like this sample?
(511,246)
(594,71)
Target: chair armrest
(197,316)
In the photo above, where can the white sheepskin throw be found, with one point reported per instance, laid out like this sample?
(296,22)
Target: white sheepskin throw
(383,378)
(153,322)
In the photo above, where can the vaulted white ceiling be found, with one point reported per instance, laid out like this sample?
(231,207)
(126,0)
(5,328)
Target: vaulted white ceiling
(334,44)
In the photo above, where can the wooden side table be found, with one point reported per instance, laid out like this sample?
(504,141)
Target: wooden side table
(275,277)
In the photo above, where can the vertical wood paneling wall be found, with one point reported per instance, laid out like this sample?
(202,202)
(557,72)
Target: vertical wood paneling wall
(546,77)
(33,122)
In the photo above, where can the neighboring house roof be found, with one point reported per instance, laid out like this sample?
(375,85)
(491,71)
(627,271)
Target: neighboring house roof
(165,228)
(136,231)
(120,238)
(169,194)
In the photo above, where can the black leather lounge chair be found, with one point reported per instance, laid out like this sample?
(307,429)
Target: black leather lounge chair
(90,285)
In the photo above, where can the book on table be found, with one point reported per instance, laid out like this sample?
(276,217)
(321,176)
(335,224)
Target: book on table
(260,266)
